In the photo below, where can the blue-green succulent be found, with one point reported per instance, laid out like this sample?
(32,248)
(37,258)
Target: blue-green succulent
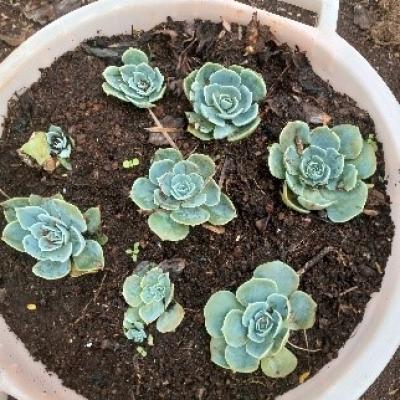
(225,101)
(252,327)
(54,232)
(181,193)
(136,81)
(149,293)
(48,149)
(323,168)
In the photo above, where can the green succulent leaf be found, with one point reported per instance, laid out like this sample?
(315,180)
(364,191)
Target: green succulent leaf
(52,270)
(10,205)
(255,290)
(93,219)
(285,277)
(297,132)
(279,366)
(150,312)
(170,319)
(365,163)
(275,161)
(131,290)
(290,200)
(223,212)
(216,309)
(217,350)
(168,154)
(205,165)
(239,360)
(190,216)
(234,332)
(142,194)
(303,309)
(134,57)
(13,235)
(37,148)
(351,141)
(166,228)
(90,260)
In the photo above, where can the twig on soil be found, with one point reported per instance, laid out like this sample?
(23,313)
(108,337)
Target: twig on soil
(352,289)
(92,300)
(223,174)
(156,129)
(162,130)
(303,349)
(219,230)
(315,260)
(2,192)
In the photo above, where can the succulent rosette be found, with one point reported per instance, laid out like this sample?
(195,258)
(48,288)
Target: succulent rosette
(181,193)
(323,168)
(136,81)
(54,232)
(149,293)
(59,143)
(251,328)
(225,101)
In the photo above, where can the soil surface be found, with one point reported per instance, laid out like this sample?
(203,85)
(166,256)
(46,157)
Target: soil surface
(87,348)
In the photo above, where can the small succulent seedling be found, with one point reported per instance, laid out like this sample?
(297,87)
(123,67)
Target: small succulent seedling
(134,251)
(56,233)
(150,295)
(323,169)
(252,327)
(127,164)
(136,81)
(48,149)
(181,193)
(225,101)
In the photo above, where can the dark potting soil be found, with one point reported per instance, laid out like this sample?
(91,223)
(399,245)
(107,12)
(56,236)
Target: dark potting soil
(76,328)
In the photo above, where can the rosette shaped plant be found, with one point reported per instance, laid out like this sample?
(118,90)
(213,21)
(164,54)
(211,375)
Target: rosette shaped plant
(48,149)
(251,328)
(225,101)
(323,169)
(136,81)
(56,234)
(150,295)
(181,193)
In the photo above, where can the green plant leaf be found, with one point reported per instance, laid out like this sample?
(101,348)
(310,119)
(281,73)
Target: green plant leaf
(275,161)
(351,141)
(279,366)
(205,164)
(255,290)
(223,212)
(13,235)
(90,260)
(234,332)
(168,154)
(52,270)
(303,309)
(366,161)
(37,148)
(170,319)
(217,350)
(294,131)
(190,216)
(142,194)
(134,57)
(10,205)
(150,312)
(166,228)
(239,360)
(93,219)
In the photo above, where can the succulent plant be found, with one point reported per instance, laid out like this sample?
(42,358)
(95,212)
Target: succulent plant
(251,328)
(136,81)
(56,234)
(150,295)
(48,149)
(181,193)
(323,168)
(225,101)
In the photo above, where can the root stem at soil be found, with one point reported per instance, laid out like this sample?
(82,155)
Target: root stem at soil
(162,130)
(304,349)
(3,193)
(219,230)
(315,260)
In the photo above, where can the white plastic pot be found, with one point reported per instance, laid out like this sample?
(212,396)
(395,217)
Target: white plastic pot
(365,355)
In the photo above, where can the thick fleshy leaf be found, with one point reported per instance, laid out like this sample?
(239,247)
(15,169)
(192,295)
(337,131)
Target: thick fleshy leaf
(247,117)
(294,183)
(170,319)
(225,77)
(190,216)
(77,240)
(244,131)
(349,178)
(198,133)
(204,73)
(255,83)
(113,78)
(303,309)
(91,259)
(313,200)
(195,201)
(168,154)
(10,205)
(158,169)
(132,315)
(347,204)
(291,160)
(279,366)
(251,310)
(216,309)
(131,290)
(185,167)
(165,202)
(134,57)
(324,138)
(142,194)
(52,270)
(255,290)
(93,219)
(110,91)
(280,340)
(166,228)
(351,141)
(217,350)
(280,303)
(187,83)
(296,132)
(13,235)
(235,333)
(275,161)
(28,216)
(37,148)
(284,276)
(239,360)
(290,200)
(205,164)
(259,350)
(221,132)
(69,214)
(213,193)
(223,212)
(31,247)
(150,312)
(335,161)
(366,161)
